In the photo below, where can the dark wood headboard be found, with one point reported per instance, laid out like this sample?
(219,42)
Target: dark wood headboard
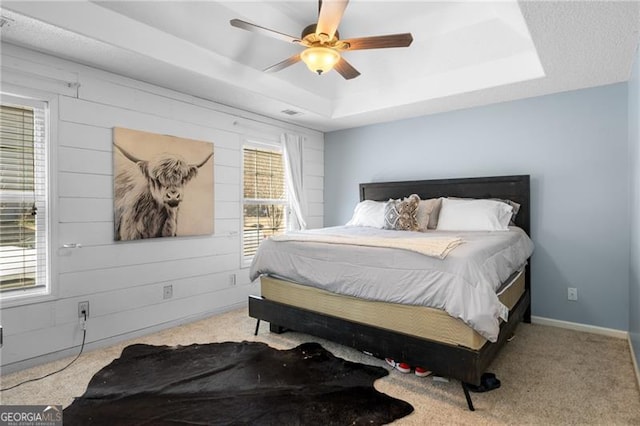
(515,188)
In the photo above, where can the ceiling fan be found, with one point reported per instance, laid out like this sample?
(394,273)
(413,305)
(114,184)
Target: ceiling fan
(322,41)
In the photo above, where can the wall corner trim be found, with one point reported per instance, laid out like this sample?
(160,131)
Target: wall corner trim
(634,359)
(620,334)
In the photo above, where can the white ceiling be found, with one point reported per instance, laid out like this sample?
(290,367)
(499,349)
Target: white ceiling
(464,54)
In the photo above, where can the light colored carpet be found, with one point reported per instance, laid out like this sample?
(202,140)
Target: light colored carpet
(549,376)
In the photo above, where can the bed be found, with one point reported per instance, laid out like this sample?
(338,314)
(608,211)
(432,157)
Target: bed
(448,346)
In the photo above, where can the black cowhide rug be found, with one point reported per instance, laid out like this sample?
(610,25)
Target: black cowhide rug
(234,383)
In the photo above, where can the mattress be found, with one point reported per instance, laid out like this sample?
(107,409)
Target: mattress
(419,321)
(464,284)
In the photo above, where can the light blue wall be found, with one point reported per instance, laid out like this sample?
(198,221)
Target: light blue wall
(575,147)
(634,151)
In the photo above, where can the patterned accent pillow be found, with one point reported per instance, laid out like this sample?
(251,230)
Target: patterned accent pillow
(401,214)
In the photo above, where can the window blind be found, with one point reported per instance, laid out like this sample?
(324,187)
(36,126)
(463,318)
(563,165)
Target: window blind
(23,209)
(264,208)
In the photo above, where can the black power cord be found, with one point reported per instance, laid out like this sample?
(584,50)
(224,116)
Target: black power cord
(84,336)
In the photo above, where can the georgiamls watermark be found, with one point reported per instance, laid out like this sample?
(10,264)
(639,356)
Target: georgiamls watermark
(30,415)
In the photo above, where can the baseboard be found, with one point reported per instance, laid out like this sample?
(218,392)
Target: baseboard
(635,360)
(620,334)
(54,356)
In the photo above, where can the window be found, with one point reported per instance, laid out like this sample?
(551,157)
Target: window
(264,199)
(23,197)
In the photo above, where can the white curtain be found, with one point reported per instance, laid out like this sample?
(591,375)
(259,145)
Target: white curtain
(292,145)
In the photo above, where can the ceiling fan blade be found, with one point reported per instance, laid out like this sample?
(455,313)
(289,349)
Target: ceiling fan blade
(377,42)
(346,70)
(244,25)
(284,64)
(330,15)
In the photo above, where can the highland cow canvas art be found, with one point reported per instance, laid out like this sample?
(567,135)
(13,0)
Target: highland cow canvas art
(163,186)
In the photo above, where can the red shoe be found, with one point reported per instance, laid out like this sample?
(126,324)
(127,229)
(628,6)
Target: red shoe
(400,366)
(421,372)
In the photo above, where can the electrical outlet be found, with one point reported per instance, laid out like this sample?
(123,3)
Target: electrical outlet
(167,292)
(83,309)
(572,293)
(232,279)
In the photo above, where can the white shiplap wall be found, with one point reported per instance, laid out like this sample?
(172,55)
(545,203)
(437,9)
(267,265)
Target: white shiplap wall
(124,281)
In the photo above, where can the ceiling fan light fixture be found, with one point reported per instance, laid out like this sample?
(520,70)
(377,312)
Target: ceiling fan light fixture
(320,59)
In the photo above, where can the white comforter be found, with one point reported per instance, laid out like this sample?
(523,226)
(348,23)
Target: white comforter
(464,284)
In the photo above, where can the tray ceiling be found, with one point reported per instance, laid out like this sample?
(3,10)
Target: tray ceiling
(464,54)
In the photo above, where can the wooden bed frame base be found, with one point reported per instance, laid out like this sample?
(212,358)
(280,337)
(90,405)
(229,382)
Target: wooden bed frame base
(444,360)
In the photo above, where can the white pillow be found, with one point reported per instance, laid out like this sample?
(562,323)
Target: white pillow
(474,215)
(368,213)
